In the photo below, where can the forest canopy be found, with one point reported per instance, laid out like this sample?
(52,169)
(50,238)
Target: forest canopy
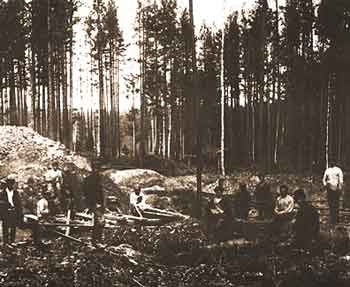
(285,81)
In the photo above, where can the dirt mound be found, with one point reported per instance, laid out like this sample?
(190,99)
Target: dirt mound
(26,154)
(135,177)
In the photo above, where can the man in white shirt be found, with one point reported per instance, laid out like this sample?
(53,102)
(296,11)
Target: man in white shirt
(55,177)
(136,202)
(333,181)
(42,208)
(283,211)
(284,203)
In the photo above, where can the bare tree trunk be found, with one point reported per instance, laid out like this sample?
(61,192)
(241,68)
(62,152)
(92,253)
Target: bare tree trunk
(222,80)
(142,96)
(65,126)
(197,114)
(13,105)
(50,96)
(327,130)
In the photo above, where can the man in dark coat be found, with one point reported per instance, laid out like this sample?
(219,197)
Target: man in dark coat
(12,210)
(243,201)
(307,221)
(95,201)
(264,198)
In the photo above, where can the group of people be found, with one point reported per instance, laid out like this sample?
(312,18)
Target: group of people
(288,212)
(13,213)
(55,195)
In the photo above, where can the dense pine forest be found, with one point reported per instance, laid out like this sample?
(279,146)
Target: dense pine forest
(270,92)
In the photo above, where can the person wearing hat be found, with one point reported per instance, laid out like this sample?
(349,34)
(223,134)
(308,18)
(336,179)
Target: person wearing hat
(307,221)
(13,210)
(95,201)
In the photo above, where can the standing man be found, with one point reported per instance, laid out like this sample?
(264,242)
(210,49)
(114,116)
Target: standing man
(95,201)
(333,181)
(13,210)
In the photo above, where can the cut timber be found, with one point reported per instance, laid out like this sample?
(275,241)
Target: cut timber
(69,237)
(68,221)
(158,214)
(47,224)
(120,217)
(84,215)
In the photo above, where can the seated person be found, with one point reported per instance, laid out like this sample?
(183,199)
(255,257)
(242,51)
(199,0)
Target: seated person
(264,198)
(307,221)
(136,200)
(140,208)
(42,213)
(243,201)
(284,203)
(42,207)
(217,211)
(215,206)
(283,210)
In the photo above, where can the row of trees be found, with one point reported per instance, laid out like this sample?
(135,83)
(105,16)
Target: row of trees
(106,50)
(36,72)
(36,65)
(285,82)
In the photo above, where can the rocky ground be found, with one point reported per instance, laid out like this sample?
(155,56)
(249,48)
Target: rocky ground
(178,253)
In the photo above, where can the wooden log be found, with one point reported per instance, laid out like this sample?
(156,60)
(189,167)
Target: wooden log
(158,214)
(84,215)
(68,221)
(69,237)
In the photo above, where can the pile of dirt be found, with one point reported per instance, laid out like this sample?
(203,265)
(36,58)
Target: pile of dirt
(132,178)
(26,154)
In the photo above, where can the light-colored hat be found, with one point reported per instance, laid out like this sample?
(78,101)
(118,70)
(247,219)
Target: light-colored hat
(11,179)
(11,176)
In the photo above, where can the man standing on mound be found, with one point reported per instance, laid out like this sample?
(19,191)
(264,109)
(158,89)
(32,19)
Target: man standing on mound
(333,181)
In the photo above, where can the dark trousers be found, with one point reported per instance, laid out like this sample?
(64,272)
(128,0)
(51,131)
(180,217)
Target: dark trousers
(97,231)
(9,227)
(333,198)
(33,225)
(281,224)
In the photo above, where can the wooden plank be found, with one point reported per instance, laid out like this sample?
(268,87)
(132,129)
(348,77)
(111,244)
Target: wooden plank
(47,224)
